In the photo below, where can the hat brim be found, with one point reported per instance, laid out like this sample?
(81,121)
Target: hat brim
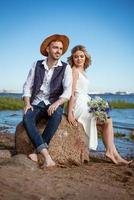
(63,38)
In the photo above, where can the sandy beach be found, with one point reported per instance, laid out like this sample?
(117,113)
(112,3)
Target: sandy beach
(22,179)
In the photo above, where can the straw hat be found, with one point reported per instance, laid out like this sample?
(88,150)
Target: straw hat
(63,38)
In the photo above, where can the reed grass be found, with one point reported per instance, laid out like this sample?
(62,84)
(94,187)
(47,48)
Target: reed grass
(9,103)
(121,104)
(132,136)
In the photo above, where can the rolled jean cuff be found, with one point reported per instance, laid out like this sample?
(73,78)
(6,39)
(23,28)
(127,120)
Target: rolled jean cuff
(42,146)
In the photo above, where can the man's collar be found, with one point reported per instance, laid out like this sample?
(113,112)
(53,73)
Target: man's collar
(59,63)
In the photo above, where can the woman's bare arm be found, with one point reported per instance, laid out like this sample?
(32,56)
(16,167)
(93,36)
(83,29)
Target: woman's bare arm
(71,103)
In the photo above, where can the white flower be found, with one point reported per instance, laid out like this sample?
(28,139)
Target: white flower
(99,108)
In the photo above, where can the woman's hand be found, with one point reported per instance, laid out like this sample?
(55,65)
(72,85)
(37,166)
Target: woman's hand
(72,120)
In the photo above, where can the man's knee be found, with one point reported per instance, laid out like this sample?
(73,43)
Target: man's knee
(25,119)
(28,116)
(58,112)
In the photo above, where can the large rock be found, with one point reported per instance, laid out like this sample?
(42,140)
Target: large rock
(5,154)
(68,145)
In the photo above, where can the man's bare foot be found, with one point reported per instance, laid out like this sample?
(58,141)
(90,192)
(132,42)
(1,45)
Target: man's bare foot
(49,162)
(33,157)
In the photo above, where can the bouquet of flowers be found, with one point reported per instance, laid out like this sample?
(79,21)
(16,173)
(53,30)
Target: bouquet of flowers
(99,108)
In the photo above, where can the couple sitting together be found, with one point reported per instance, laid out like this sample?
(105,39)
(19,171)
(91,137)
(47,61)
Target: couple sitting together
(50,83)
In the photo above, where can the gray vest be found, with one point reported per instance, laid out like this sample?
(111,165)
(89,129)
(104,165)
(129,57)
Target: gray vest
(56,87)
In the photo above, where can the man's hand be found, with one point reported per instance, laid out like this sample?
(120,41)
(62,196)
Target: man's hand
(53,108)
(27,107)
(27,104)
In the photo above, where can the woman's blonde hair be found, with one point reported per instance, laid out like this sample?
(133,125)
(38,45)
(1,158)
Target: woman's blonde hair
(87,56)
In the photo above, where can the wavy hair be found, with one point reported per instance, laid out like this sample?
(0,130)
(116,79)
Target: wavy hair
(87,56)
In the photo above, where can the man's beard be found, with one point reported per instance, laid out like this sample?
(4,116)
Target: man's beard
(56,57)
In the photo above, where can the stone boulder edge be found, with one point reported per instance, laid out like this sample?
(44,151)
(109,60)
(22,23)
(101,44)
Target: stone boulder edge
(67,147)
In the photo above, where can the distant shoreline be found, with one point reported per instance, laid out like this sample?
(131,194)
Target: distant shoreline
(92,93)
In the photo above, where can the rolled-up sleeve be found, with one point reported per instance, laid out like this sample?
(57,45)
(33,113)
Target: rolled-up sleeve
(67,83)
(27,87)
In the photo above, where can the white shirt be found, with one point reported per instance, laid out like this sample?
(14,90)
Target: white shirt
(43,94)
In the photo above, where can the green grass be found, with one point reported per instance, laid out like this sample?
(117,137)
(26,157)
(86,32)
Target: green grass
(116,104)
(132,136)
(121,104)
(8,103)
(119,135)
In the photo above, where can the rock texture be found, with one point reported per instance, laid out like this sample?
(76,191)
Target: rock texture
(5,154)
(68,145)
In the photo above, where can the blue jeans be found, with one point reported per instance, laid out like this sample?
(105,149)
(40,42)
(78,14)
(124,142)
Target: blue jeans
(30,120)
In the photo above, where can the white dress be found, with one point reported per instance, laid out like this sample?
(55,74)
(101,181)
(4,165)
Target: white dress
(81,110)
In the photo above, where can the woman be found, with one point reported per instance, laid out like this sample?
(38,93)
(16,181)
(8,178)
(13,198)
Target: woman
(78,109)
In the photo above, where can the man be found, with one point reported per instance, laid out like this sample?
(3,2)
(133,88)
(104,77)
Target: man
(47,87)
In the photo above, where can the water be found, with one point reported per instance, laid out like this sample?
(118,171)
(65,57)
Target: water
(14,95)
(123,120)
(9,119)
(124,146)
(116,97)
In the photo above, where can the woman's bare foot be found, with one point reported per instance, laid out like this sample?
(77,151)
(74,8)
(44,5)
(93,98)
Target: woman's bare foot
(112,158)
(117,159)
(123,161)
(33,157)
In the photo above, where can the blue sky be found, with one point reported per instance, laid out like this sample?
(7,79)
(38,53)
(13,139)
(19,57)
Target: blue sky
(105,27)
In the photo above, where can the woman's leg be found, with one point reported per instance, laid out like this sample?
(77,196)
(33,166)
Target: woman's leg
(108,139)
(107,135)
